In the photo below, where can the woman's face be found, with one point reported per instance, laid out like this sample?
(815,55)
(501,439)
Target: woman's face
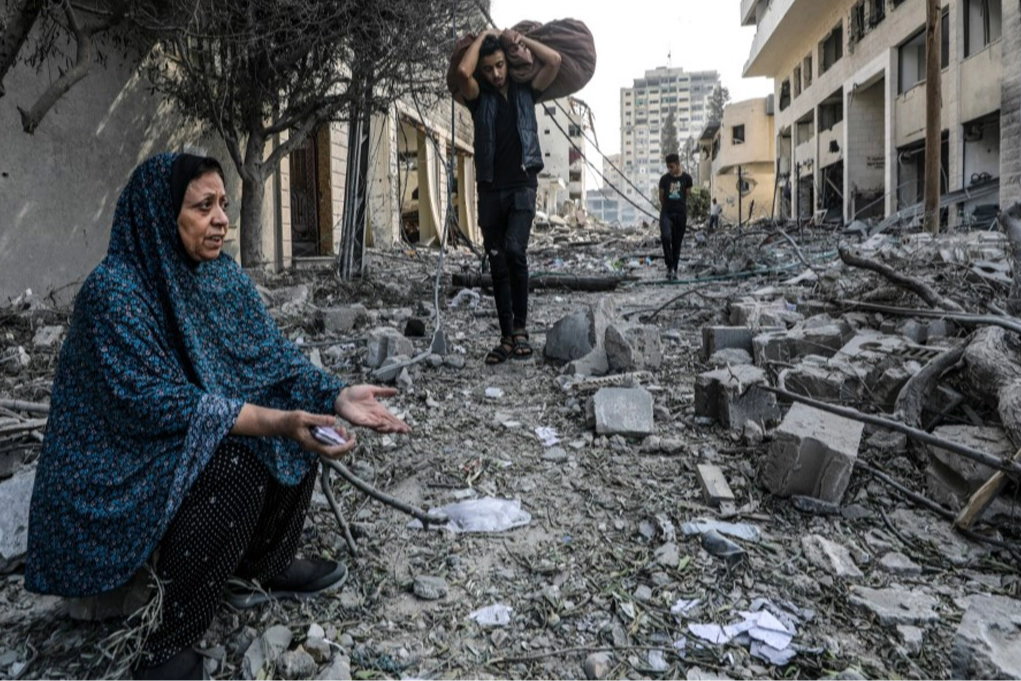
(202,222)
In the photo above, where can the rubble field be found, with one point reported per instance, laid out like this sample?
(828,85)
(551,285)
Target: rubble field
(651,496)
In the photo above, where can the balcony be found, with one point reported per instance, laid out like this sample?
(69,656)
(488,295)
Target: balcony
(782,21)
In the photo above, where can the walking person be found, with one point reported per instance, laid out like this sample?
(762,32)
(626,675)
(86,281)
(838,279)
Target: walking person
(714,215)
(674,190)
(507,161)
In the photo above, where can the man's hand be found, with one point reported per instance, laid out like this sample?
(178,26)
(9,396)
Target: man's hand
(359,406)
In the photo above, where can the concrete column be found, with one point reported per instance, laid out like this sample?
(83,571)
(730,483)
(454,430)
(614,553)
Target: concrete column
(1010,109)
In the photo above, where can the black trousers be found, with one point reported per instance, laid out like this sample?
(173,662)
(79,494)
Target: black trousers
(236,520)
(671,231)
(506,221)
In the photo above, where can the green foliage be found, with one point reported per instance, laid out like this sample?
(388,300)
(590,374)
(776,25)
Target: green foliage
(698,205)
(717,102)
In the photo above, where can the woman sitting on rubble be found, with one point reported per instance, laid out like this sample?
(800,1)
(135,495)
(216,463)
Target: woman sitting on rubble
(181,421)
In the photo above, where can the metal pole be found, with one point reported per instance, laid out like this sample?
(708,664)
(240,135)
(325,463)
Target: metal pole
(740,197)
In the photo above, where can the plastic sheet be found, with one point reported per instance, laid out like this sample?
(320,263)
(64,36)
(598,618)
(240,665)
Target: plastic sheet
(481,515)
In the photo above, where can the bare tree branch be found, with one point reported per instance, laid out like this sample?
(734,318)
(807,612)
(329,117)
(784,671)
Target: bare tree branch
(14,33)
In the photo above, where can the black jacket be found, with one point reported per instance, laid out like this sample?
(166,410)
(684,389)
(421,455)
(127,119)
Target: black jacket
(484,116)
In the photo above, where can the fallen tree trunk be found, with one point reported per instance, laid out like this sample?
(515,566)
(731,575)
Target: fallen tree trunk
(912,396)
(916,286)
(1011,221)
(545,281)
(992,369)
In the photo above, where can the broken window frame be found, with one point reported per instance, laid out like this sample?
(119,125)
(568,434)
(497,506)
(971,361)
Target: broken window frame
(831,48)
(738,134)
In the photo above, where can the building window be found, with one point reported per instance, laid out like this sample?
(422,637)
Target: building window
(796,79)
(574,130)
(877,12)
(807,71)
(830,115)
(983,24)
(738,134)
(856,26)
(912,55)
(785,95)
(546,131)
(831,49)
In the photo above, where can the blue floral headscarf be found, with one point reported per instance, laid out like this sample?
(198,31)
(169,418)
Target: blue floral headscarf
(161,355)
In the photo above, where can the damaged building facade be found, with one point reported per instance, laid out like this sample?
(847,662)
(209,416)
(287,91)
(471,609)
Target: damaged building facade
(737,159)
(562,125)
(59,186)
(850,104)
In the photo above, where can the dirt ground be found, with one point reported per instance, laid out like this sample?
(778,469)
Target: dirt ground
(592,572)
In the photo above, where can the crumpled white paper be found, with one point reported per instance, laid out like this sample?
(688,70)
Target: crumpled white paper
(766,636)
(548,436)
(480,515)
(496,615)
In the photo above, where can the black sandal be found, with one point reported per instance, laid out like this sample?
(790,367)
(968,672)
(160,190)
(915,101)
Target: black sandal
(501,353)
(522,348)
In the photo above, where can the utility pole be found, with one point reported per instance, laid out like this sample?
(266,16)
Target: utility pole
(933,117)
(740,197)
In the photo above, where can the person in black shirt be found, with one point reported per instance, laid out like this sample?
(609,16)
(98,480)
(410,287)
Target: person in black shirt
(507,160)
(674,189)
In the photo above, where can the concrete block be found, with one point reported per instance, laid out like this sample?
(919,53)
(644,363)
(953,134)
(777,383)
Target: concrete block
(756,314)
(730,357)
(813,455)
(633,348)
(821,380)
(386,342)
(791,345)
(15,496)
(986,643)
(716,338)
(595,363)
(571,338)
(648,343)
(730,396)
(342,320)
(991,440)
(715,489)
(624,411)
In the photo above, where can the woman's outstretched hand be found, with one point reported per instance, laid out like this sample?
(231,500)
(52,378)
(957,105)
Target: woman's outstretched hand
(359,406)
(298,425)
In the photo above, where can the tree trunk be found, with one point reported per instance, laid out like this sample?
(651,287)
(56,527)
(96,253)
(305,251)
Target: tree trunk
(1011,221)
(13,36)
(253,191)
(933,117)
(992,365)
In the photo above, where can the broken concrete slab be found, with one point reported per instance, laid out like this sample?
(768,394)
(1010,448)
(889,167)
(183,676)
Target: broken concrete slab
(15,497)
(912,637)
(730,396)
(822,380)
(830,556)
(786,346)
(716,338)
(48,336)
(987,644)
(812,454)
(989,439)
(730,357)
(895,606)
(385,342)
(624,411)
(571,338)
(757,314)
(928,528)
(633,348)
(289,299)
(344,319)
(952,479)
(578,334)
(899,565)
(715,489)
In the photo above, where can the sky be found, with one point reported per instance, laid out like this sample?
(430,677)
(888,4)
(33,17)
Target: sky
(633,36)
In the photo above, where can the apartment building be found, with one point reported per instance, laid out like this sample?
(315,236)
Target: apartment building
(850,103)
(644,109)
(741,160)
(562,125)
